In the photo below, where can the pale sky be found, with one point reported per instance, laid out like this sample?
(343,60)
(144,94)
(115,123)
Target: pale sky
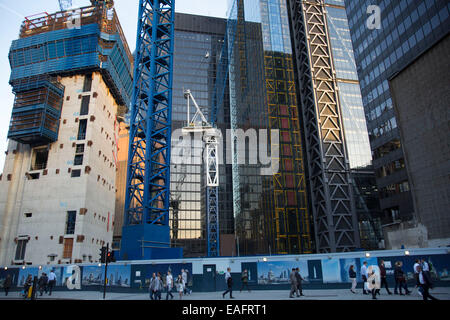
(12,14)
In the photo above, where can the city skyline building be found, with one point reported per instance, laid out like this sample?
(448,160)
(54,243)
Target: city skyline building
(270,209)
(355,128)
(316,39)
(402,31)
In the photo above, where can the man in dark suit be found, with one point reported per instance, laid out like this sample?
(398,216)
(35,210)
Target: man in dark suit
(426,284)
(383,277)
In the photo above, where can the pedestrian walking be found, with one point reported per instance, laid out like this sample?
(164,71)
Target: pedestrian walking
(244,280)
(51,281)
(185,279)
(364,277)
(299,279)
(159,285)
(352,277)
(7,284)
(293,280)
(180,285)
(426,284)
(155,287)
(383,277)
(169,285)
(229,282)
(425,267)
(42,283)
(416,271)
(373,284)
(400,279)
(27,286)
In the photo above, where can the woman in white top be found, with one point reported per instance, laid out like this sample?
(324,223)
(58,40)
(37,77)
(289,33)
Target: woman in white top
(180,285)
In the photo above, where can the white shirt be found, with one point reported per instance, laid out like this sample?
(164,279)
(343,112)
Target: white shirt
(169,280)
(415,267)
(227,275)
(421,279)
(425,266)
(364,271)
(52,276)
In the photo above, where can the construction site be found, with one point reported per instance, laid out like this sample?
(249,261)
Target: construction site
(216,143)
(77,86)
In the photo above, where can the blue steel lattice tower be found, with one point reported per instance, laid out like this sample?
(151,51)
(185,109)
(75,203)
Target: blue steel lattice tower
(146,230)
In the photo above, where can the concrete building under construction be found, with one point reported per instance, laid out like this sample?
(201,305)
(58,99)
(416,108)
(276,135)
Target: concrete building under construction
(71,76)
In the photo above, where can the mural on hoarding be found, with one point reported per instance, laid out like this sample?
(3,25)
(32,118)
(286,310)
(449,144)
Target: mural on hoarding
(119,276)
(439,266)
(141,274)
(277,272)
(345,267)
(92,276)
(331,270)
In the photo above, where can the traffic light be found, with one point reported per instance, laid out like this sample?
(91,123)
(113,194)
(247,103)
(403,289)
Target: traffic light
(110,257)
(103,254)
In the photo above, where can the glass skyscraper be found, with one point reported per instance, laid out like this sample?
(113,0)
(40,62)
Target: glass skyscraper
(270,209)
(198,44)
(355,130)
(406,29)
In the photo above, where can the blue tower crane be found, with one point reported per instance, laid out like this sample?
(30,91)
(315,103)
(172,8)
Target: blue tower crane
(146,233)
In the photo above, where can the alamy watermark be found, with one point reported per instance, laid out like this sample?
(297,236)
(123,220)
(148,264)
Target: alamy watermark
(250,147)
(374,19)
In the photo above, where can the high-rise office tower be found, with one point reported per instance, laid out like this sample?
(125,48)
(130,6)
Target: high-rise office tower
(71,77)
(321,77)
(269,186)
(355,130)
(197,49)
(386,37)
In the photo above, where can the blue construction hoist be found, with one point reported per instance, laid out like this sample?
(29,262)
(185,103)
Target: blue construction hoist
(146,233)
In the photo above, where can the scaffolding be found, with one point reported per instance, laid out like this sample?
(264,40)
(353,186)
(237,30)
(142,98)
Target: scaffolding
(64,43)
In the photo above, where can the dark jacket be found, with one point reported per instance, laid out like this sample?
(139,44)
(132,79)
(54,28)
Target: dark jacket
(28,283)
(382,271)
(427,279)
(244,277)
(298,277)
(351,274)
(43,280)
(398,273)
(8,282)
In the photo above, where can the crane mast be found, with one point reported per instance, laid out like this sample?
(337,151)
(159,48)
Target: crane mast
(146,216)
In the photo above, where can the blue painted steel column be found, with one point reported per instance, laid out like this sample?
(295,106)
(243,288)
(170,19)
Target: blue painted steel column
(148,172)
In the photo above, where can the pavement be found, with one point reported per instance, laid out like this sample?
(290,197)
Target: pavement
(441,293)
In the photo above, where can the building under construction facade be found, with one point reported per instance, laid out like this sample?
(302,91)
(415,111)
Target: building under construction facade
(71,76)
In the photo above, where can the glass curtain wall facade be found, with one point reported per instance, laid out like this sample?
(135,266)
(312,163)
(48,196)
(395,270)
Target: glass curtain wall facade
(270,209)
(198,43)
(355,128)
(328,166)
(406,29)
